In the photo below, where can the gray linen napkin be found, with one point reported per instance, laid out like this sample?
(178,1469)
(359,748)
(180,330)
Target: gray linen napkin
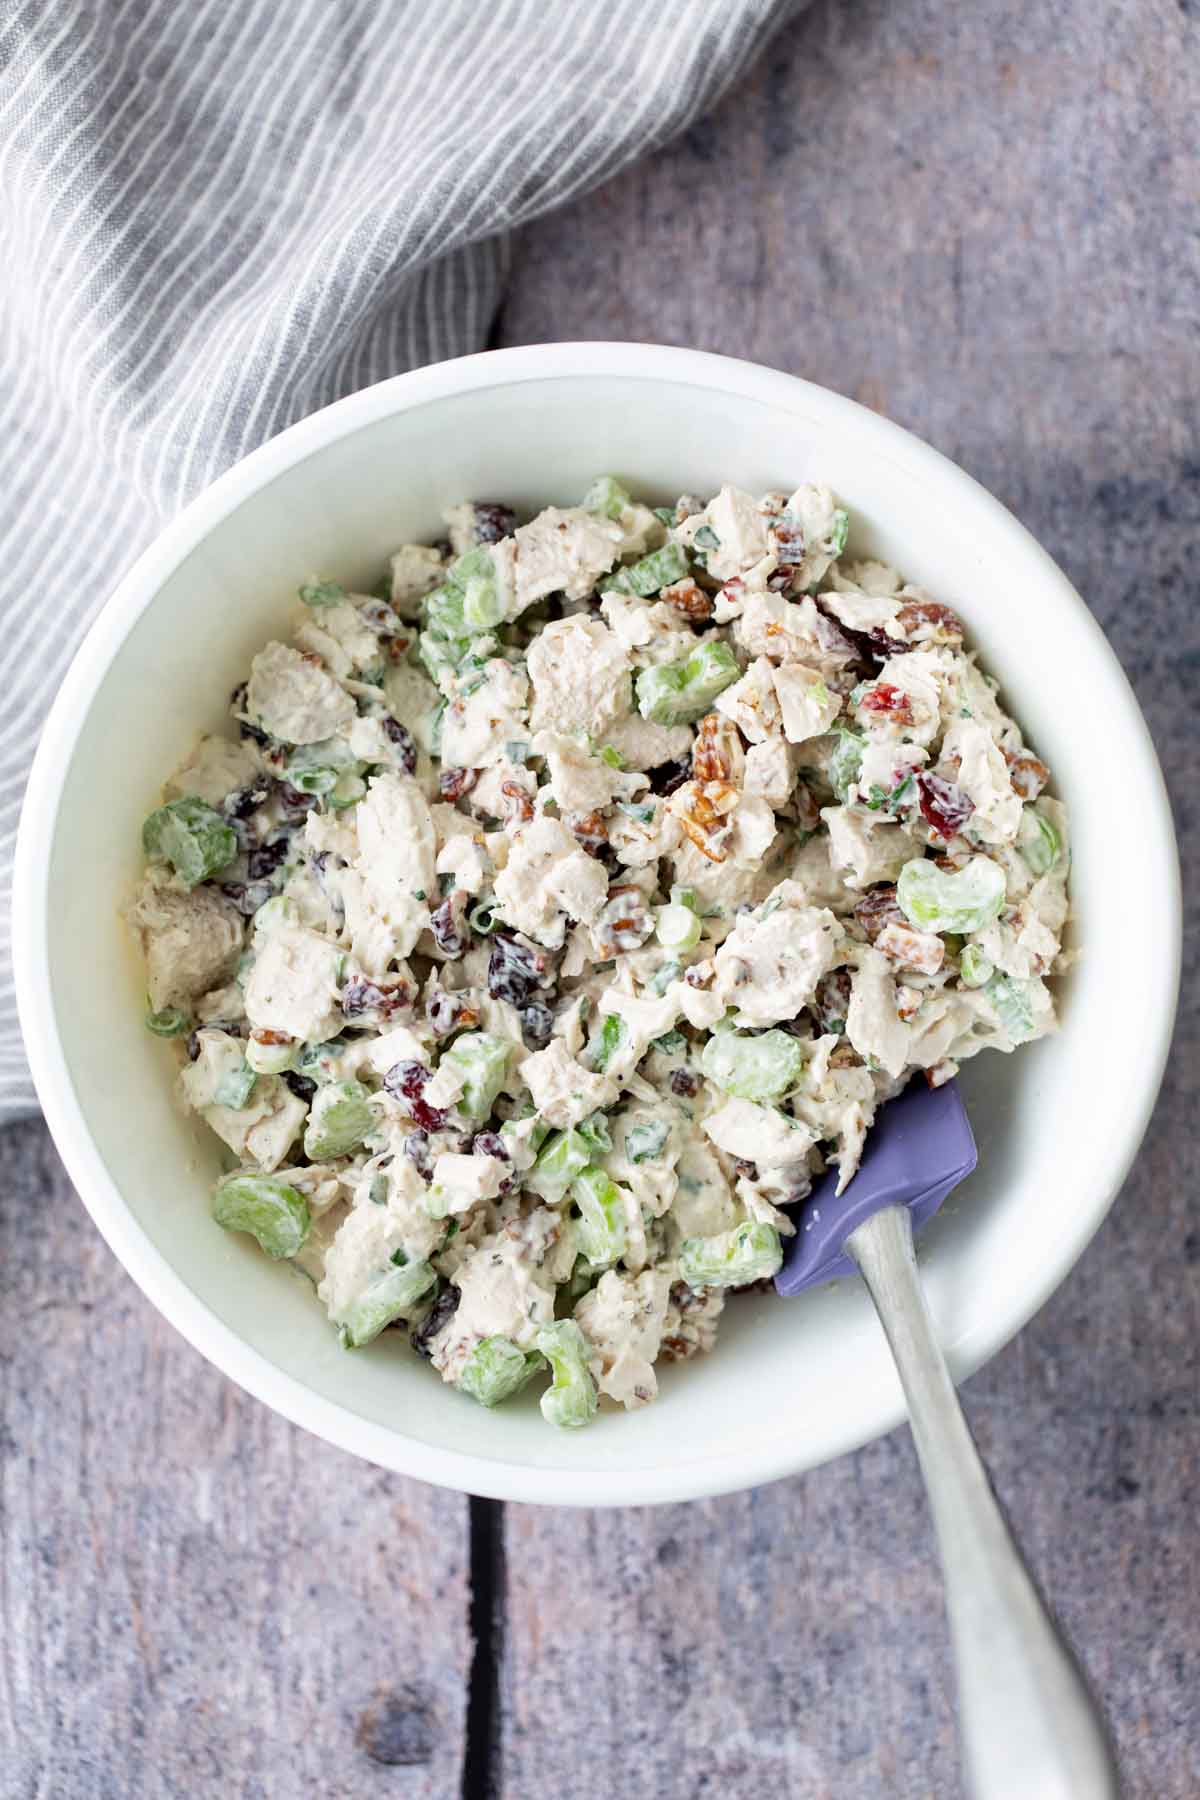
(219,217)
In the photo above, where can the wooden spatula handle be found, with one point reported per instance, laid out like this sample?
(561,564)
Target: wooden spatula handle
(1030,1727)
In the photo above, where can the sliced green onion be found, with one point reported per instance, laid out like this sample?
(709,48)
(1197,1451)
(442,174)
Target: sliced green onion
(170,1022)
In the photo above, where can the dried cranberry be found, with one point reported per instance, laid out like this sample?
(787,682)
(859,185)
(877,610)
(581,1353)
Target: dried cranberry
(877,908)
(361,995)
(684,1082)
(831,1002)
(890,702)
(493,522)
(193,1045)
(293,801)
(264,861)
(446,1011)
(402,738)
(517,968)
(537,1024)
(438,1316)
(407,1081)
(301,1086)
(448,924)
(416,1149)
(443,546)
(380,616)
(789,539)
(842,640)
(253,733)
(247,896)
(243,801)
(454,783)
(945,806)
(490,1143)
(668,776)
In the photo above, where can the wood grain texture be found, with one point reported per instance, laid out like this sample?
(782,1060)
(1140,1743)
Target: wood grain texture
(979,220)
(197,1597)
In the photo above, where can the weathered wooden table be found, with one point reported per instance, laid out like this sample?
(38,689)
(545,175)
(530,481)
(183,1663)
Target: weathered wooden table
(981,220)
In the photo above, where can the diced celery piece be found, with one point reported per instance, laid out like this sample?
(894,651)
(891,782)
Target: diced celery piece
(316,1061)
(313,781)
(338,1121)
(571,1399)
(235,1087)
(170,1022)
(394,1292)
(602,1222)
(974,968)
(750,1252)
(561,1159)
(1038,841)
(473,578)
(511,1131)
(685,896)
(1010,1003)
(607,497)
(677,928)
(658,570)
(642,1142)
(840,531)
(845,763)
(322,593)
(662,978)
(265,1206)
(962,900)
(497,1369)
(676,693)
(482,1061)
(613,1032)
(192,836)
(753,1068)
(595,1133)
(348,790)
(443,610)
(612,756)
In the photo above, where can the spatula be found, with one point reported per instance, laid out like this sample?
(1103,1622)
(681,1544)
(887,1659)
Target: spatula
(1030,1728)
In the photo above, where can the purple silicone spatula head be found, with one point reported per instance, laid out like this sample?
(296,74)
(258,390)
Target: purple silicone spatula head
(918,1150)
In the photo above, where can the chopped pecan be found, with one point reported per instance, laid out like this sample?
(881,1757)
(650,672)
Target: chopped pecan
(909,949)
(1027,773)
(878,909)
(688,598)
(715,749)
(929,622)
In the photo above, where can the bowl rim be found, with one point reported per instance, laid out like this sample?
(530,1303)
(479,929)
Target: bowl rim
(338,1424)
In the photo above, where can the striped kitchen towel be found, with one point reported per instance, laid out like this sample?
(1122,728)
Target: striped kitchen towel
(218,217)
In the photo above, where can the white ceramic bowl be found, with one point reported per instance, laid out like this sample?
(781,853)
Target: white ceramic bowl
(791,1383)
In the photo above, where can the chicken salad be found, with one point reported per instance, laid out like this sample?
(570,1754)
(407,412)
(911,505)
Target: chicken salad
(551,918)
